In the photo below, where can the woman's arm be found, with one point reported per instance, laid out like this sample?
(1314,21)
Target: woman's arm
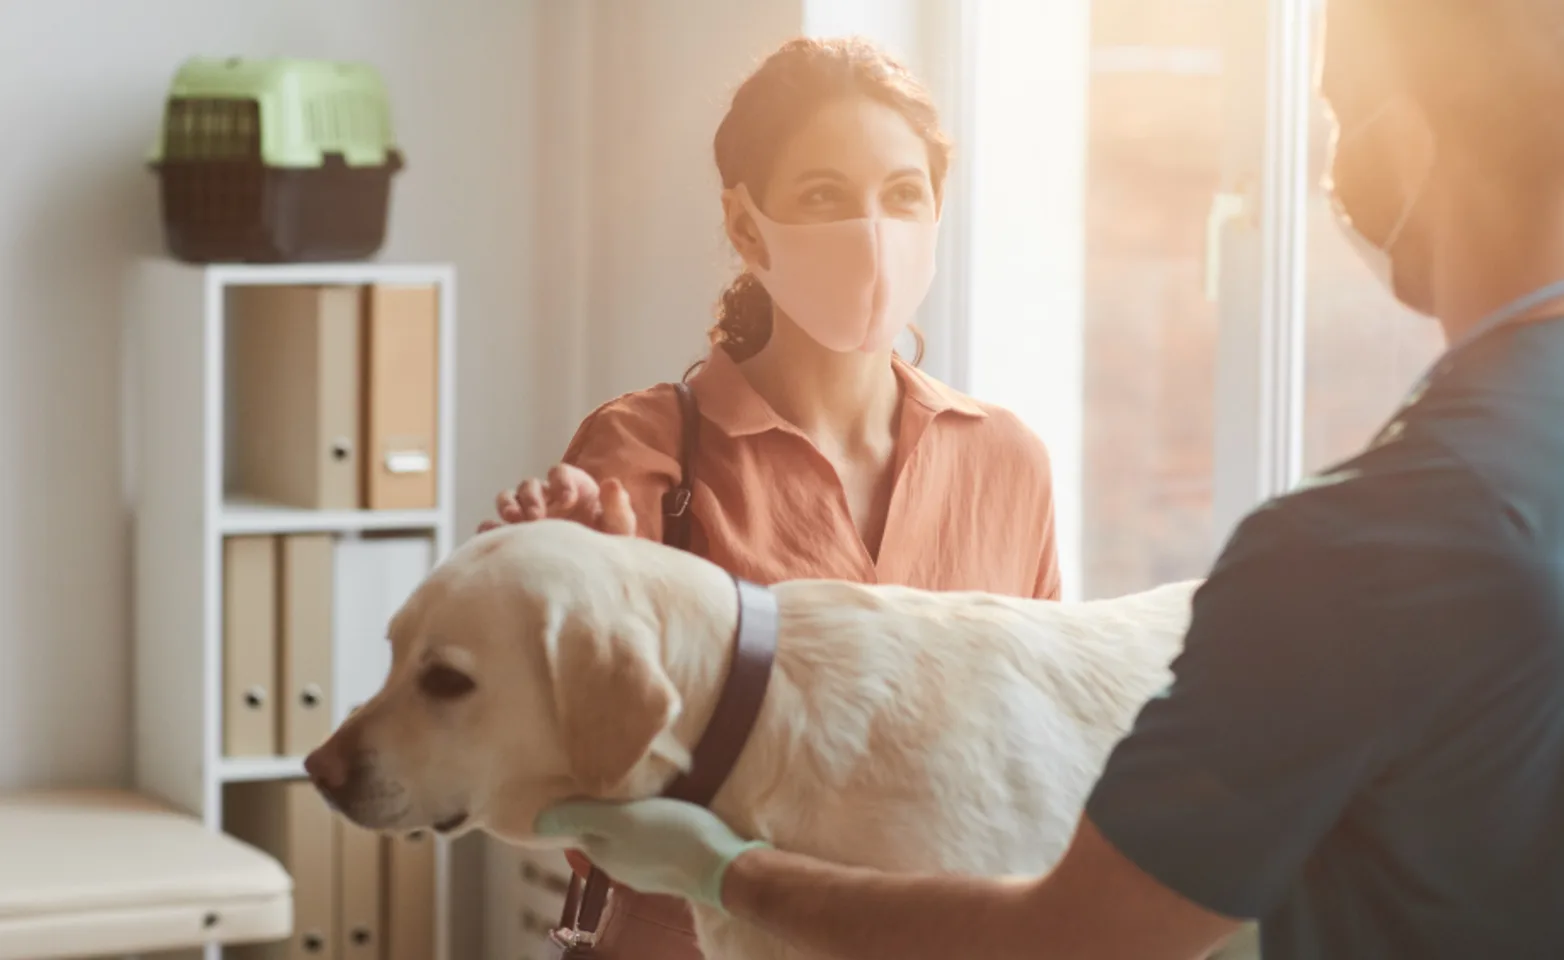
(1049,584)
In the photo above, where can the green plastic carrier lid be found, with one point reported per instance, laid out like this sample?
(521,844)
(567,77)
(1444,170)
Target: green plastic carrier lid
(298,110)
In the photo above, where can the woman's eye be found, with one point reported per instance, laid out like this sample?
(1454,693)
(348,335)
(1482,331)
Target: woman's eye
(440,682)
(823,194)
(907,195)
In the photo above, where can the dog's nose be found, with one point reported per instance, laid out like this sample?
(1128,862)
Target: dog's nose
(326,769)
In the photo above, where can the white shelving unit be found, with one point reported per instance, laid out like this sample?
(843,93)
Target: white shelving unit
(182,517)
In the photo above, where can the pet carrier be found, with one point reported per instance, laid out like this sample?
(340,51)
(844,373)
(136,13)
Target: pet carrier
(275,161)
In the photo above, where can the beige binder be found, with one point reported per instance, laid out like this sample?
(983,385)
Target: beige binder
(410,897)
(304,642)
(401,341)
(249,646)
(297,392)
(360,885)
(290,821)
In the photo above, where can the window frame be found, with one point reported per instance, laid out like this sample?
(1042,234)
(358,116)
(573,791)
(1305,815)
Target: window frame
(1258,258)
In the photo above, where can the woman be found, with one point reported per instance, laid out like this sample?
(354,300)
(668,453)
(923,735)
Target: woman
(821,453)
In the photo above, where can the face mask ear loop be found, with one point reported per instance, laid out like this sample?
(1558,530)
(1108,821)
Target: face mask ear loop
(755,216)
(1410,207)
(1368,122)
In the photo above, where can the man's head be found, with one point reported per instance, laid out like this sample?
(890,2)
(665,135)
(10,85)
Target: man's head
(1436,101)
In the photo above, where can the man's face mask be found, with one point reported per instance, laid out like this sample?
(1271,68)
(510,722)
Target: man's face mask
(1374,208)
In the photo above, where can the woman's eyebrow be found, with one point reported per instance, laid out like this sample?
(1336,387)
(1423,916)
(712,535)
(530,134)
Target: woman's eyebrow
(830,173)
(820,173)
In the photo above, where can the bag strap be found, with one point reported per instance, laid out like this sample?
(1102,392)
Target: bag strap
(584,902)
(676,502)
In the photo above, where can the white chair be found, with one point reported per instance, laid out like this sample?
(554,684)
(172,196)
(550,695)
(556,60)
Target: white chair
(99,873)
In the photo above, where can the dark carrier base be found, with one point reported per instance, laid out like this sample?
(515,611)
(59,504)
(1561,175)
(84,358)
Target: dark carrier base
(243,211)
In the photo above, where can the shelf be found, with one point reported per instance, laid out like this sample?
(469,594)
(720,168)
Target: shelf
(242,515)
(246,769)
(348,273)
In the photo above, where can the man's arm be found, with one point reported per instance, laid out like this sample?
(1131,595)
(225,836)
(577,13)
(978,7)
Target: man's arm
(1096,903)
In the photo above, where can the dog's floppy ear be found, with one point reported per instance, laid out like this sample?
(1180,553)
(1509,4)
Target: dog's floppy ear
(612,697)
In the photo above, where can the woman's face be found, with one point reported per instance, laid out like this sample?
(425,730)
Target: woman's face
(856,158)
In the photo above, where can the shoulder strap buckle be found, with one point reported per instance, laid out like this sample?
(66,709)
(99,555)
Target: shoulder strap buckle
(676,502)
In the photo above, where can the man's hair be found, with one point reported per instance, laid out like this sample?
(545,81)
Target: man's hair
(1489,73)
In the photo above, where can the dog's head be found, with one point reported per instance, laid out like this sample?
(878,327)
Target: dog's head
(526,668)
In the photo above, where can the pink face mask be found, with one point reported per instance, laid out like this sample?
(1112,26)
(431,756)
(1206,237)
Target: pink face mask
(849,284)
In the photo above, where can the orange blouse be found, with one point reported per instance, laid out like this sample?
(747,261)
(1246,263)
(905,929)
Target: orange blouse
(971,507)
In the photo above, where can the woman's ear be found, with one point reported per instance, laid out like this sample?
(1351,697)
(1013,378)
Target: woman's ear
(743,232)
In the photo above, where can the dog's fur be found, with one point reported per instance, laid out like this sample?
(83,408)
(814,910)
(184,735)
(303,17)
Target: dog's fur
(903,729)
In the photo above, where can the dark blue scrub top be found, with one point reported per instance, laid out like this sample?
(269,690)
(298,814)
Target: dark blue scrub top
(1363,745)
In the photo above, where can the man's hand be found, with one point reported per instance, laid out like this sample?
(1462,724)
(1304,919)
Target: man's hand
(568,493)
(656,846)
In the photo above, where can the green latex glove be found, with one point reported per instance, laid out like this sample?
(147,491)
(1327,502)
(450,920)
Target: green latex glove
(653,846)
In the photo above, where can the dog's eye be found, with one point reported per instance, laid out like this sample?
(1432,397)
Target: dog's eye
(445,683)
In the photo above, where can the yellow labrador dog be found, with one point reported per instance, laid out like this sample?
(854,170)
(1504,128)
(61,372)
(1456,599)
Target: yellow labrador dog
(902,729)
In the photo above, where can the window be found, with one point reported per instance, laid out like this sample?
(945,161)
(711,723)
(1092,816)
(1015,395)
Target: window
(1101,134)
(1155,279)
(1155,146)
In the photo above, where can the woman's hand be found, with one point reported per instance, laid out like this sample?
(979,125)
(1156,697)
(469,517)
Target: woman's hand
(568,493)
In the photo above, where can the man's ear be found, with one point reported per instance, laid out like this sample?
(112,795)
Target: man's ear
(612,697)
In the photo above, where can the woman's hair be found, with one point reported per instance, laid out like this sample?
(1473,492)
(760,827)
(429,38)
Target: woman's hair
(774,104)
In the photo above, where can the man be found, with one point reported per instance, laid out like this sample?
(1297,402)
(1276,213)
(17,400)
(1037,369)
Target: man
(1363,746)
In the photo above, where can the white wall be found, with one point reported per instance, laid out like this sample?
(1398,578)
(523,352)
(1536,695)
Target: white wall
(895,25)
(80,86)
